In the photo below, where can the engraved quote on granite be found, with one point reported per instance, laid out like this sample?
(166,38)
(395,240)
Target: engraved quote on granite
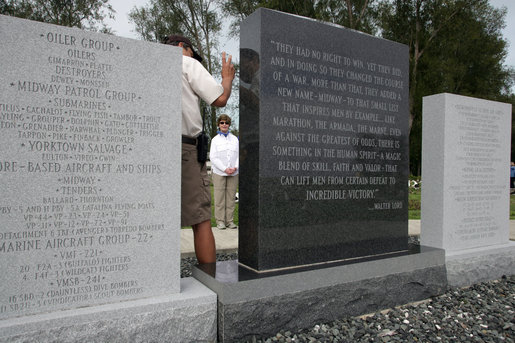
(466,151)
(88,125)
(479,190)
(330,107)
(339,115)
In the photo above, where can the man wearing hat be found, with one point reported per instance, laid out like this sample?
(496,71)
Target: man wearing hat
(198,84)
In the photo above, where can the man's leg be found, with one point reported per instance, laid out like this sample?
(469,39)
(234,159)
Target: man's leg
(204,242)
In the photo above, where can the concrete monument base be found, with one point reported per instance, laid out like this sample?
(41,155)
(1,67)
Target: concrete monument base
(184,317)
(260,304)
(471,266)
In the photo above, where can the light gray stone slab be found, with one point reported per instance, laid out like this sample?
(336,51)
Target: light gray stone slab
(465,186)
(465,172)
(188,316)
(262,305)
(471,266)
(89,156)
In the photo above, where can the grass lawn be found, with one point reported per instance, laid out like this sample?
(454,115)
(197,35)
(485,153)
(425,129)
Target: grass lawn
(414,204)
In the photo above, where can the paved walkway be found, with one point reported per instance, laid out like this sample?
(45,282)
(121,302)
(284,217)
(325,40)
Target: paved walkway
(227,240)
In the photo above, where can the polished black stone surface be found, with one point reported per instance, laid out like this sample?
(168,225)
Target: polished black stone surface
(232,271)
(323,143)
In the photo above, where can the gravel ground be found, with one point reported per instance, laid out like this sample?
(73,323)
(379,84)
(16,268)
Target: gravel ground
(483,312)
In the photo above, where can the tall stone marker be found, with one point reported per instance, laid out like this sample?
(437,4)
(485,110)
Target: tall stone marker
(323,181)
(465,193)
(90,189)
(324,132)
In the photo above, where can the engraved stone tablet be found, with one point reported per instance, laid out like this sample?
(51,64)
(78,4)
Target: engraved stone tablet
(89,176)
(324,143)
(465,172)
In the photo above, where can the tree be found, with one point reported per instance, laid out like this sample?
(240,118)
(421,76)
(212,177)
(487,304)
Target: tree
(195,19)
(354,14)
(84,14)
(455,46)
(239,10)
(235,132)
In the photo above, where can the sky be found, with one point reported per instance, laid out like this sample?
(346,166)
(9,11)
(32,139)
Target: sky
(123,28)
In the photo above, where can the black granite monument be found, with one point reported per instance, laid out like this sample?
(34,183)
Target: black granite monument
(323,186)
(324,139)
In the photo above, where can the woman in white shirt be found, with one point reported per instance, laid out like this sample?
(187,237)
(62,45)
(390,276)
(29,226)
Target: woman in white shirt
(224,156)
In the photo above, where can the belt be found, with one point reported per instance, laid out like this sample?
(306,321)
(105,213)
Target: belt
(189,140)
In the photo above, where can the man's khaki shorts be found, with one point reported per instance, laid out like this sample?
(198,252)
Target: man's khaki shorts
(195,192)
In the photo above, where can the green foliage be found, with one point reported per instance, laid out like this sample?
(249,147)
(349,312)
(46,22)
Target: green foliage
(85,14)
(355,14)
(456,46)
